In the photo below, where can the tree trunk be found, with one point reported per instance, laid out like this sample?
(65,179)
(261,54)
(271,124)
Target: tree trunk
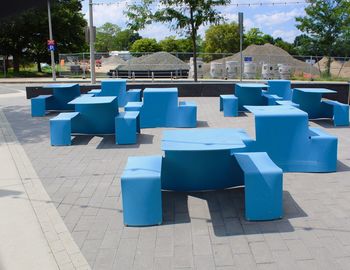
(38,65)
(194,46)
(15,63)
(328,67)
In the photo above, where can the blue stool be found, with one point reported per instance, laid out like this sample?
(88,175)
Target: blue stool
(39,105)
(141,191)
(127,125)
(61,128)
(263,186)
(229,104)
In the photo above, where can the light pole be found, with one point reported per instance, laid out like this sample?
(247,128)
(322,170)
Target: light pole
(92,40)
(240,21)
(53,67)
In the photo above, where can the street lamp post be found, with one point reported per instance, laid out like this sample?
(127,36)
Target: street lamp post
(53,67)
(92,40)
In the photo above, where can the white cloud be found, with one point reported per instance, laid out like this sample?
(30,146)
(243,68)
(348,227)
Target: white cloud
(286,35)
(278,18)
(157,30)
(109,13)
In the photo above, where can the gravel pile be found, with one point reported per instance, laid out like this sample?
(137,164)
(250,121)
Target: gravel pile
(111,62)
(338,68)
(155,61)
(271,54)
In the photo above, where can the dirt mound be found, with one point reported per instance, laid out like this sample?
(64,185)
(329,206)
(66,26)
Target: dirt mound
(271,54)
(338,68)
(155,61)
(108,63)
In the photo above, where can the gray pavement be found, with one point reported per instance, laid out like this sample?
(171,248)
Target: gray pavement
(200,230)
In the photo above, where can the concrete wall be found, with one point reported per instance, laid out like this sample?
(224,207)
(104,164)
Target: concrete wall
(205,89)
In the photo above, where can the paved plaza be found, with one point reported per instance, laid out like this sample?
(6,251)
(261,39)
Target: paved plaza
(204,230)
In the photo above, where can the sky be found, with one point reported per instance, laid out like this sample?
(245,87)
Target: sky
(276,20)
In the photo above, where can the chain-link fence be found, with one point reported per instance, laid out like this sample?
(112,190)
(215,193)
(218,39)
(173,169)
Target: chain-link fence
(268,65)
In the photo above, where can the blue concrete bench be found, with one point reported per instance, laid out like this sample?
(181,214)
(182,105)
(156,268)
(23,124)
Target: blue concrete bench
(95,91)
(287,102)
(133,106)
(187,114)
(263,186)
(339,110)
(229,104)
(127,125)
(133,95)
(39,104)
(271,99)
(141,191)
(61,128)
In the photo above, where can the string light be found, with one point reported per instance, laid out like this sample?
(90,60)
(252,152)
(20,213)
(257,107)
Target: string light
(231,4)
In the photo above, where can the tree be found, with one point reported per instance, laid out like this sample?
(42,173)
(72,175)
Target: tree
(326,22)
(145,45)
(289,47)
(255,36)
(106,37)
(124,39)
(186,16)
(222,38)
(170,44)
(26,35)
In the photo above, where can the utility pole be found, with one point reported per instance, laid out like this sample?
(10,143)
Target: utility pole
(240,21)
(92,47)
(53,67)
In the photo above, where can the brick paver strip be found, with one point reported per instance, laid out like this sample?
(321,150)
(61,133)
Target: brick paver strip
(65,251)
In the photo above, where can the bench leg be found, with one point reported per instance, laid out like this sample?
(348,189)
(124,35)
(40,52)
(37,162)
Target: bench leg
(60,132)
(263,196)
(38,106)
(341,115)
(126,130)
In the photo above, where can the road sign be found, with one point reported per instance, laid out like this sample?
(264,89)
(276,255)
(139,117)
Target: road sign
(51,47)
(248,59)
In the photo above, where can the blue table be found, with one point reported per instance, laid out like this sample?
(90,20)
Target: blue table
(249,94)
(96,115)
(62,95)
(309,100)
(161,108)
(283,132)
(201,159)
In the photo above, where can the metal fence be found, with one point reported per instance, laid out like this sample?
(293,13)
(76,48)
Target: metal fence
(210,66)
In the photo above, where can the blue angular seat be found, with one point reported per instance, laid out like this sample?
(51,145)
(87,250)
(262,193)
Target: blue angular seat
(263,186)
(38,105)
(141,191)
(339,112)
(127,125)
(61,128)
(229,105)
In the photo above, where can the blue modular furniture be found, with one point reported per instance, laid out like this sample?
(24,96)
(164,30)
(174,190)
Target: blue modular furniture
(94,116)
(117,87)
(62,94)
(229,105)
(141,191)
(283,133)
(250,94)
(263,186)
(205,159)
(160,108)
(280,88)
(310,101)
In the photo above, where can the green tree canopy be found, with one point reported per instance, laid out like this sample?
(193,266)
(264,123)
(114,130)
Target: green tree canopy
(26,35)
(106,37)
(222,38)
(145,45)
(257,37)
(185,16)
(326,22)
(125,38)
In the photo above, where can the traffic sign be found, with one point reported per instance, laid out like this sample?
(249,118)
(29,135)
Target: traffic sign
(51,47)
(50,42)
